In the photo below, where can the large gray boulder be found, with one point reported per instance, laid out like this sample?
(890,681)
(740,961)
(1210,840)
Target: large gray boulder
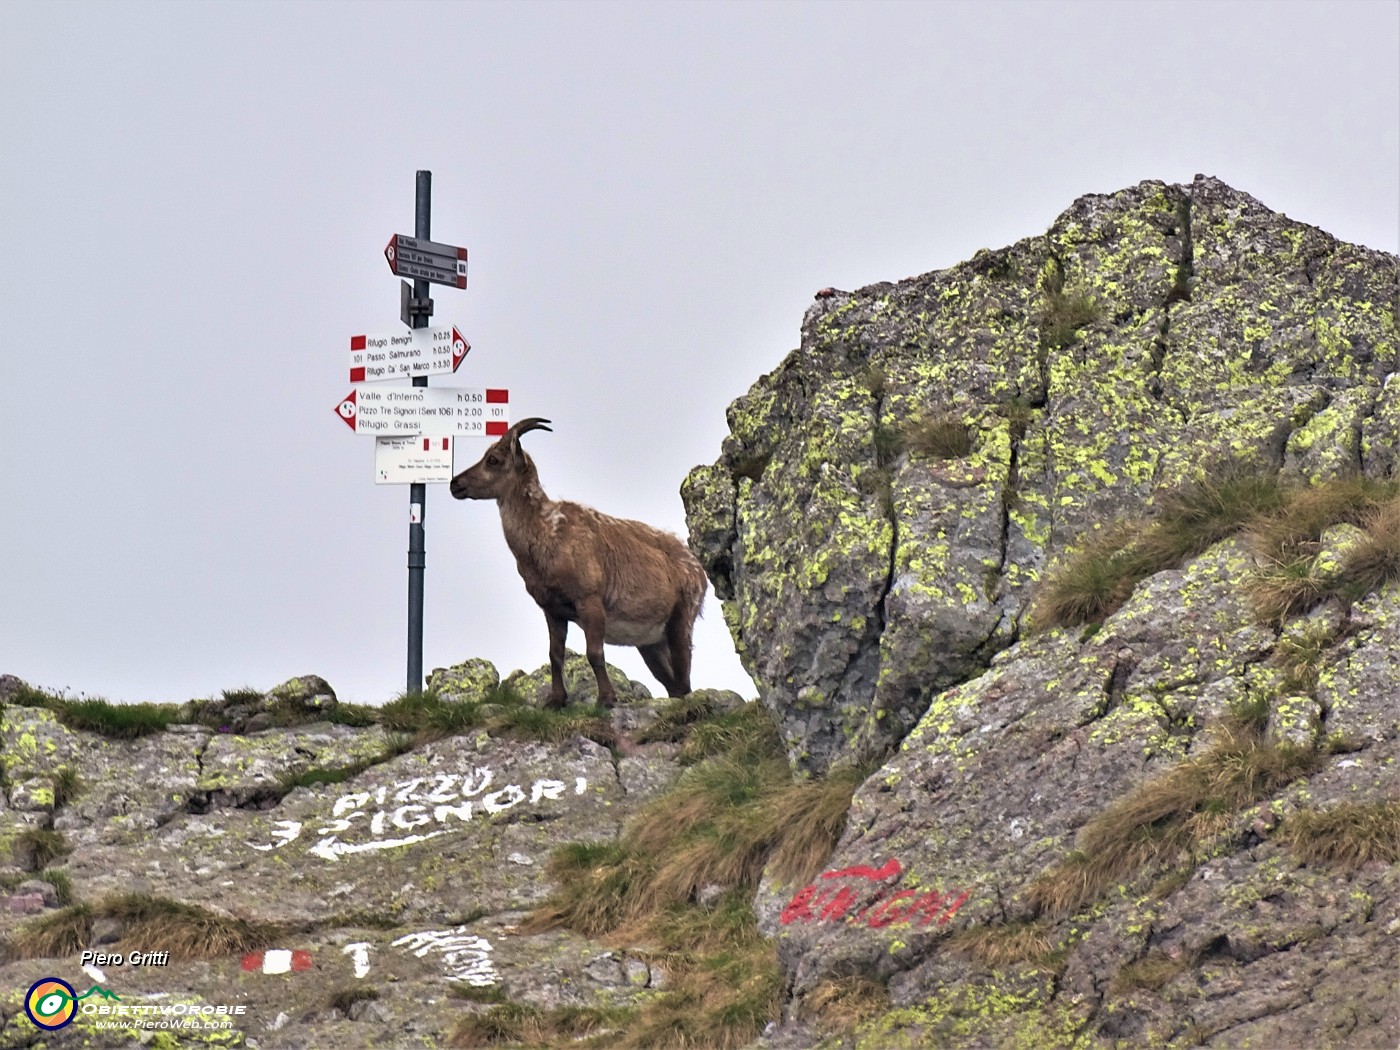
(889,494)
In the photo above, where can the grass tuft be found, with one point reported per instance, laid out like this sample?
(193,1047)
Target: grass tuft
(1093,583)
(1150,973)
(1065,312)
(940,436)
(504,1024)
(1004,944)
(1284,526)
(503,712)
(889,444)
(62,883)
(154,923)
(676,720)
(843,1004)
(1300,656)
(67,785)
(1297,523)
(118,721)
(37,848)
(185,931)
(874,379)
(1287,589)
(58,935)
(1345,836)
(1165,820)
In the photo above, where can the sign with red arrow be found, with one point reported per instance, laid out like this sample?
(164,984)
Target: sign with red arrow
(427,260)
(432,411)
(402,355)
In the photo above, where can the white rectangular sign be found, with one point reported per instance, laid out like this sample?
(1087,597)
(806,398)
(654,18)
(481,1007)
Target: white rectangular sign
(412,460)
(402,355)
(440,411)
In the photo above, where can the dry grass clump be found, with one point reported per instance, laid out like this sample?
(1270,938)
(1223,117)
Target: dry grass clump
(1092,584)
(153,923)
(1289,542)
(37,848)
(183,930)
(843,1004)
(55,936)
(1287,589)
(1101,575)
(515,1024)
(1065,312)
(1284,526)
(67,785)
(1345,836)
(1300,657)
(1004,944)
(722,825)
(1164,821)
(940,436)
(1153,971)
(1295,526)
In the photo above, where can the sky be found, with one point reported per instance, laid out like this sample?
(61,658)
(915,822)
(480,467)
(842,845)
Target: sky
(195,199)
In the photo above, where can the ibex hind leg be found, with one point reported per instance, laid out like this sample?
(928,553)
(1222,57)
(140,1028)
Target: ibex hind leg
(593,619)
(678,646)
(658,660)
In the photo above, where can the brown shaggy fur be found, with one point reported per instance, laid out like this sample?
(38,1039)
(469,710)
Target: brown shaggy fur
(623,582)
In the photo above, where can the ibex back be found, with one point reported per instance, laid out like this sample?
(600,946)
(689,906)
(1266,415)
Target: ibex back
(623,582)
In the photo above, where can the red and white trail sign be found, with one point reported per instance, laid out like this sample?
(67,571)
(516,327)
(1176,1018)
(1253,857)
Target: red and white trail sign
(402,355)
(277,960)
(432,411)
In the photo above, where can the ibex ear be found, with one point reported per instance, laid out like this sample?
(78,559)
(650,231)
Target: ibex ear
(517,454)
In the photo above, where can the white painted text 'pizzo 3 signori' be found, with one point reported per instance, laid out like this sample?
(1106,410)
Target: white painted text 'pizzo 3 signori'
(380,817)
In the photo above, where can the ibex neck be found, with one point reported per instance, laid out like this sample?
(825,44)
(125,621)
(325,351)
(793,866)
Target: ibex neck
(529,520)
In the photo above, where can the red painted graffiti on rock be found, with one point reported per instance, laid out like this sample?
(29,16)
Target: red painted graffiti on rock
(814,903)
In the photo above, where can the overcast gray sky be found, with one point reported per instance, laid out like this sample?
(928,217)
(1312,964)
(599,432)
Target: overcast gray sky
(194,199)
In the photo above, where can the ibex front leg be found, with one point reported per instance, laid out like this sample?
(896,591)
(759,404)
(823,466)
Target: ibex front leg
(558,628)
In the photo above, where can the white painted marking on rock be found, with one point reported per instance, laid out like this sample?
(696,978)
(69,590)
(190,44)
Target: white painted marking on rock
(359,955)
(277,960)
(465,957)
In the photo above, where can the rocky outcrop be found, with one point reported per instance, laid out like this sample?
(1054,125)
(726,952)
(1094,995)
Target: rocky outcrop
(386,874)
(1239,937)
(888,496)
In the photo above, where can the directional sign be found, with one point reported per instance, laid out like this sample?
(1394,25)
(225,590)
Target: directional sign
(401,355)
(424,410)
(427,260)
(412,460)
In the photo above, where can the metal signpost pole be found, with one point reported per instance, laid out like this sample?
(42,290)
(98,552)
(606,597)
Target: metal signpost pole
(417,493)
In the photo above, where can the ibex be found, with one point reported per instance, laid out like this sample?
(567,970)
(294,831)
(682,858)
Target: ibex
(623,582)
